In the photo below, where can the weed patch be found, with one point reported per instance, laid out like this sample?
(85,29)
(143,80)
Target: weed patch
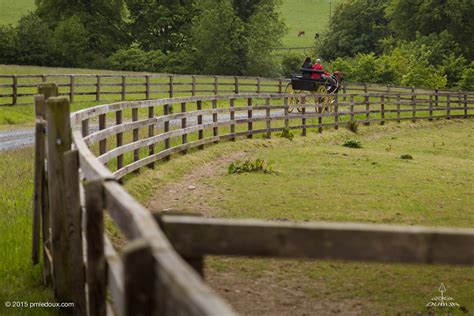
(286,133)
(257,165)
(352,143)
(406,157)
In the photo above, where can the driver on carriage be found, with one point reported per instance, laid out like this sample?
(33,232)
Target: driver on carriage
(325,75)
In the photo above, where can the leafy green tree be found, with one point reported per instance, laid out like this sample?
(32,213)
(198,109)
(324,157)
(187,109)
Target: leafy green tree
(34,42)
(136,59)
(161,24)
(357,26)
(467,78)
(70,42)
(103,20)
(407,17)
(218,38)
(8,49)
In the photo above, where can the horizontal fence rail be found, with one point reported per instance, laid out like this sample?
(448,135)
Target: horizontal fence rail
(19,89)
(159,271)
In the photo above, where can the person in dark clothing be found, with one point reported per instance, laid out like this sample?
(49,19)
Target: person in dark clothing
(307,65)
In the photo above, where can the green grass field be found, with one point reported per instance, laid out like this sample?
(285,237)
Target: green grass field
(312,16)
(320,180)
(12,10)
(20,281)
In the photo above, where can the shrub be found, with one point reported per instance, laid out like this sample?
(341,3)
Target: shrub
(353,126)
(286,133)
(352,143)
(406,157)
(257,165)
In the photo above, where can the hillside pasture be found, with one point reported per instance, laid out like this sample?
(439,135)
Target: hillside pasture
(311,16)
(12,10)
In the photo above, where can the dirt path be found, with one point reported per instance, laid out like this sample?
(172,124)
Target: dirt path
(273,292)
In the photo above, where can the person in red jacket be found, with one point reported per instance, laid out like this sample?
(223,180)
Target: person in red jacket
(318,66)
(324,75)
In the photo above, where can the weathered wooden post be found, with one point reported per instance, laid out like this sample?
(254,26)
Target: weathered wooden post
(96,264)
(303,119)
(73,224)
(171,86)
(124,87)
(413,102)
(119,138)
(351,107)
(398,108)
(184,137)
(97,89)
(249,116)
(268,119)
(430,117)
(232,118)
(59,141)
(45,90)
(448,106)
(14,89)
(166,127)
(199,121)
(382,110)
(285,112)
(215,129)
(140,279)
(147,87)
(216,85)
(236,85)
(71,88)
(135,131)
(102,126)
(336,112)
(151,133)
(465,105)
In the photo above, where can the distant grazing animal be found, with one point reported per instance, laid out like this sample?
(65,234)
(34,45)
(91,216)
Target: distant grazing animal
(301,33)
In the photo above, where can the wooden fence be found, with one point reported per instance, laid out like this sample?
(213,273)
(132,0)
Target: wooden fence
(160,269)
(19,89)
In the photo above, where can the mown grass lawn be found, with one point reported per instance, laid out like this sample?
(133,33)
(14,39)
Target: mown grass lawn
(320,180)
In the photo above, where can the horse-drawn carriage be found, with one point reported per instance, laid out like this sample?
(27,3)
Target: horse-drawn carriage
(323,86)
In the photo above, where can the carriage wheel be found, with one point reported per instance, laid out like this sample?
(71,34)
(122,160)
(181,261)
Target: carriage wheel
(292,101)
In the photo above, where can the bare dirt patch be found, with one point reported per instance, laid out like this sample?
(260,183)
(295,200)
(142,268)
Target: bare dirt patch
(189,194)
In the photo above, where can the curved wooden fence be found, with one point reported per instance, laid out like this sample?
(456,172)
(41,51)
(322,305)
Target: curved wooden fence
(160,269)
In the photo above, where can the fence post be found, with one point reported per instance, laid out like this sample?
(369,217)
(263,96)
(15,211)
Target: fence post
(413,102)
(97,90)
(280,85)
(465,105)
(184,137)
(232,118)
(124,87)
(336,112)
(236,85)
(448,106)
(268,120)
(45,90)
(344,92)
(250,115)
(103,142)
(171,87)
(193,85)
(199,121)
(351,107)
(398,108)
(73,223)
(382,110)
(303,119)
(367,109)
(96,264)
(14,89)
(430,116)
(258,85)
(140,279)
(71,88)
(285,112)
(215,129)
(136,152)
(151,133)
(166,127)
(59,141)
(216,85)
(147,87)
(38,186)
(119,138)
(436,97)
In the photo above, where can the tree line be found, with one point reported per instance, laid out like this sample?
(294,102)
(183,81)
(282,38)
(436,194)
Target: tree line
(411,42)
(181,36)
